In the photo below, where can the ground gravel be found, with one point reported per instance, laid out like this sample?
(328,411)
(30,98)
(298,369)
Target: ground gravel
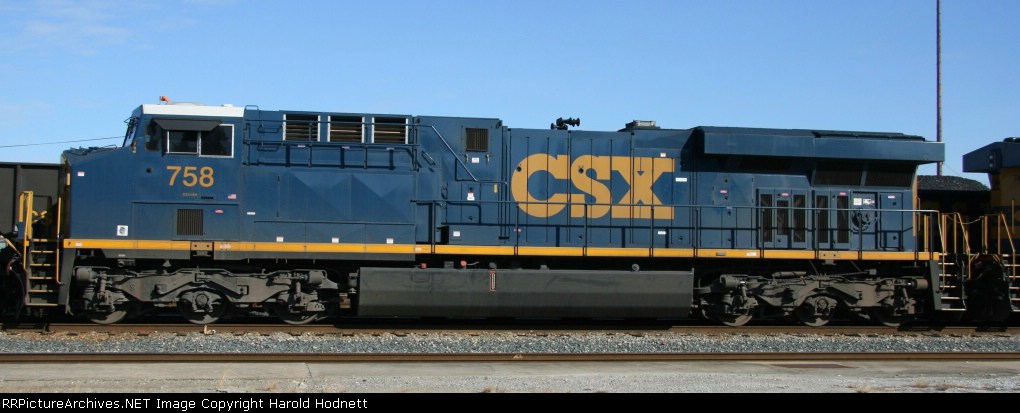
(498,342)
(510,377)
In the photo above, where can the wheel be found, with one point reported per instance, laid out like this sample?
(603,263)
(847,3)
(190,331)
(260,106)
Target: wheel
(886,316)
(816,311)
(807,316)
(745,311)
(109,317)
(734,320)
(202,307)
(283,312)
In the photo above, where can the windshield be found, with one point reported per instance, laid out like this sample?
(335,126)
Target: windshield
(129,135)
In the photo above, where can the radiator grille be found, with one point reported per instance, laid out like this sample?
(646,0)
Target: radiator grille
(300,127)
(189,222)
(346,129)
(390,130)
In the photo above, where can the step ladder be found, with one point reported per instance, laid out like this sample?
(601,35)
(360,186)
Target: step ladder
(42,265)
(997,240)
(951,276)
(1009,262)
(40,255)
(954,262)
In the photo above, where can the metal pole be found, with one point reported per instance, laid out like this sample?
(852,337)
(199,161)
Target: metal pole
(938,77)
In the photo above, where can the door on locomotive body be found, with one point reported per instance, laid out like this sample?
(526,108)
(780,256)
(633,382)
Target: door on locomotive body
(864,207)
(849,221)
(540,187)
(831,212)
(606,177)
(894,222)
(784,218)
(591,193)
(652,187)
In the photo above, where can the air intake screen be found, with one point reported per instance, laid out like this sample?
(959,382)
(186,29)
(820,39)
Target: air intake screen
(300,127)
(477,139)
(390,130)
(189,222)
(346,129)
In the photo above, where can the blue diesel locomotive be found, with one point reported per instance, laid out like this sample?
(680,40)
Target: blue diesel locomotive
(222,211)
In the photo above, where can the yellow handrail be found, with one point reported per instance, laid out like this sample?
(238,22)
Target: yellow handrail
(25,211)
(57,246)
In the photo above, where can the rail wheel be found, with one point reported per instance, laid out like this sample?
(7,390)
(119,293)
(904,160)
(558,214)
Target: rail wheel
(201,306)
(816,311)
(888,317)
(734,310)
(107,317)
(734,320)
(734,315)
(284,312)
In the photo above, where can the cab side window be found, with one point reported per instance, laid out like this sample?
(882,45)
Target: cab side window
(196,137)
(218,142)
(182,141)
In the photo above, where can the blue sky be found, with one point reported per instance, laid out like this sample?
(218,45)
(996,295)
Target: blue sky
(74,69)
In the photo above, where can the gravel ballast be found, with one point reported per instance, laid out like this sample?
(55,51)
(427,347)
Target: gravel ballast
(498,342)
(509,377)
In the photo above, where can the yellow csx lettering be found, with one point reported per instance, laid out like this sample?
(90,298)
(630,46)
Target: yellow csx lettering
(639,173)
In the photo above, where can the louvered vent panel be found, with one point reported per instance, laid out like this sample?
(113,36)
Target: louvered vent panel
(390,130)
(300,127)
(189,222)
(477,139)
(346,129)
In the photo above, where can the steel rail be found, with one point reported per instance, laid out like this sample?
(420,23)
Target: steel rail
(492,357)
(474,328)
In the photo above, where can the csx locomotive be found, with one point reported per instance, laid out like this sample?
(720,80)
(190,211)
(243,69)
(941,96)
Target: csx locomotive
(223,211)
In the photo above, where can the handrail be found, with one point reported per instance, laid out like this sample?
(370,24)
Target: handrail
(56,250)
(1002,232)
(951,225)
(25,210)
(452,152)
(250,141)
(695,224)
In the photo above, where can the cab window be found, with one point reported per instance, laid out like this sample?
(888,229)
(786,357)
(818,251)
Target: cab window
(197,137)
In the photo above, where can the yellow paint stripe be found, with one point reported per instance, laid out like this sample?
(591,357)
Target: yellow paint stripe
(673,252)
(551,251)
(293,247)
(898,256)
(617,252)
(791,255)
(726,253)
(335,248)
(390,248)
(278,246)
(233,246)
(128,244)
(474,250)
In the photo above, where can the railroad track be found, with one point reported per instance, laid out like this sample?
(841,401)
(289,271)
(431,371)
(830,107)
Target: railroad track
(527,329)
(476,358)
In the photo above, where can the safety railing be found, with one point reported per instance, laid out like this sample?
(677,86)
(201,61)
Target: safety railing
(705,226)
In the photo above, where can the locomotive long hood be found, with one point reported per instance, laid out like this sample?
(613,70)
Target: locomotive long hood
(820,144)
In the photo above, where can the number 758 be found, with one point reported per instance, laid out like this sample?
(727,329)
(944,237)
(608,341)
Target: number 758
(192,175)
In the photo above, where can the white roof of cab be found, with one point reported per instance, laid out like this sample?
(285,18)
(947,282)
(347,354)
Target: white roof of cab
(193,110)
